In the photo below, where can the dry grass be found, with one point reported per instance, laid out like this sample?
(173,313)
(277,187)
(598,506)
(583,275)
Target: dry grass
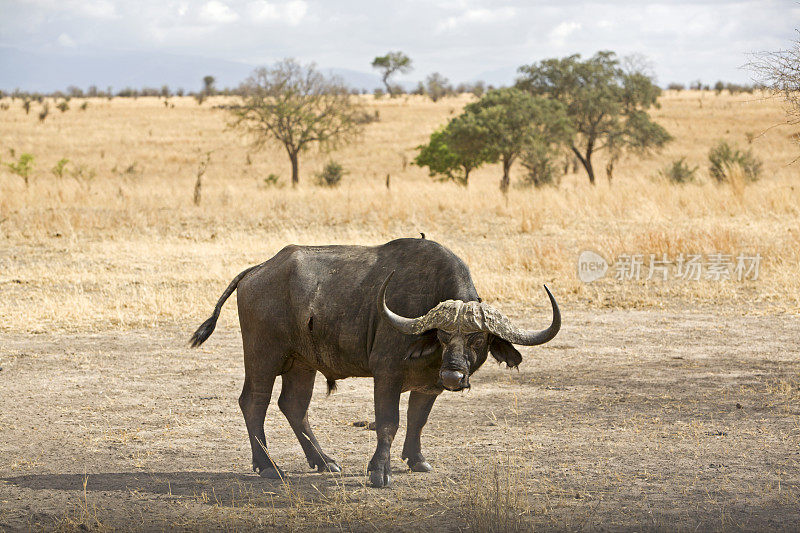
(128,248)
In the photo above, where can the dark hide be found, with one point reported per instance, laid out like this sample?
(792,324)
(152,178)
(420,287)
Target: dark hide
(312,309)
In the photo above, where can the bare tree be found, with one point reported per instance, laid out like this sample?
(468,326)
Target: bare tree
(297,106)
(780,73)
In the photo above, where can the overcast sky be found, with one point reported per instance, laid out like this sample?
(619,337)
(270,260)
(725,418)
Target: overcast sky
(462,39)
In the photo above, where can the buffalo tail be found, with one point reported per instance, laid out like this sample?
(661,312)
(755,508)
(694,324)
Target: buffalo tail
(207,328)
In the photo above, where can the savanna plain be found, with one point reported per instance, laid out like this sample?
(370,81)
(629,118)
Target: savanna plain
(661,405)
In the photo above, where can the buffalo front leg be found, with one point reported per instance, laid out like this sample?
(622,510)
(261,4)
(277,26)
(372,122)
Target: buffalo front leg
(254,402)
(387,419)
(419,407)
(296,391)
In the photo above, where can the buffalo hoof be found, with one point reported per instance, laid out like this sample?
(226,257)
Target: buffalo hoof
(331,467)
(379,479)
(270,472)
(422,466)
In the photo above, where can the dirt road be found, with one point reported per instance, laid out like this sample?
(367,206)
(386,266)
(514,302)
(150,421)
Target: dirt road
(627,420)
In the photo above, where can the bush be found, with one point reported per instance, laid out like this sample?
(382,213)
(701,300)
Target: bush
(332,173)
(43,113)
(22,167)
(273,180)
(679,172)
(537,160)
(58,170)
(365,117)
(725,158)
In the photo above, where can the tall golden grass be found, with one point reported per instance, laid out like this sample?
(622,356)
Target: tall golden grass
(128,248)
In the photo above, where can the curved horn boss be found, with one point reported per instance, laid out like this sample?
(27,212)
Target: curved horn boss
(469,317)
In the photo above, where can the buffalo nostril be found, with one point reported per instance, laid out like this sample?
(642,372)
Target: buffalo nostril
(451,379)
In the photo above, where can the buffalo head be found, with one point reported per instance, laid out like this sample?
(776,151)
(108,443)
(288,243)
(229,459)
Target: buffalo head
(466,332)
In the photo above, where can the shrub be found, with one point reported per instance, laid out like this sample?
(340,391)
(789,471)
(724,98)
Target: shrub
(679,172)
(84,175)
(273,180)
(538,162)
(22,167)
(332,173)
(725,159)
(63,106)
(43,113)
(84,105)
(365,117)
(58,170)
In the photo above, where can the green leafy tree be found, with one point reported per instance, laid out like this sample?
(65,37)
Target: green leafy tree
(606,104)
(513,120)
(456,150)
(440,160)
(298,107)
(390,64)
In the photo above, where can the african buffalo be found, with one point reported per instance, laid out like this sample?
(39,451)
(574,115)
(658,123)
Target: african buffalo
(324,309)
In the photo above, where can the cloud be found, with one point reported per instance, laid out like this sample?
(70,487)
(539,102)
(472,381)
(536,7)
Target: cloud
(66,41)
(215,11)
(477,15)
(462,39)
(96,9)
(558,35)
(291,12)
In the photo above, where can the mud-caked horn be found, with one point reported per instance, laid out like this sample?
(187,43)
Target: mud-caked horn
(452,315)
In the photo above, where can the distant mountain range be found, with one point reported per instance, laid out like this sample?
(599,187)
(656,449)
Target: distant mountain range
(50,72)
(40,72)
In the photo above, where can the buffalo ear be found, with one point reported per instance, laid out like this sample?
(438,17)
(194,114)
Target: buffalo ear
(504,352)
(424,346)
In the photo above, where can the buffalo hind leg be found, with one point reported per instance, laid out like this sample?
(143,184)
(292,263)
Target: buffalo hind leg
(254,402)
(296,390)
(387,419)
(419,407)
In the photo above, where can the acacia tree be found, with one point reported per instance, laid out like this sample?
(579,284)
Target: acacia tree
(390,64)
(208,85)
(513,121)
(297,106)
(607,105)
(437,86)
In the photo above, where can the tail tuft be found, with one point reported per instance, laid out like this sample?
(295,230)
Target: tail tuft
(331,386)
(203,332)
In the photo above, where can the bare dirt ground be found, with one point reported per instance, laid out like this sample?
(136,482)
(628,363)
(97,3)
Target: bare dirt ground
(628,420)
